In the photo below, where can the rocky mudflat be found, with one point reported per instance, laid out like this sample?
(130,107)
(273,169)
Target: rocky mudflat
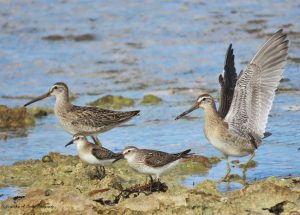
(60,184)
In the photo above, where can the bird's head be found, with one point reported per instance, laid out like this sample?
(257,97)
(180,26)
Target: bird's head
(129,152)
(57,89)
(77,139)
(202,101)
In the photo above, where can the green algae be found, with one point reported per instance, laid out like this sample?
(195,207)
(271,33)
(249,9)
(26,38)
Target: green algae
(113,102)
(47,159)
(151,99)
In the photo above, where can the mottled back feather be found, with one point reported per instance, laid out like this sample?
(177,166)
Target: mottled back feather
(98,117)
(159,158)
(103,153)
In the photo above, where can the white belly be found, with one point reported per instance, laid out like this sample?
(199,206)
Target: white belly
(154,171)
(229,149)
(91,159)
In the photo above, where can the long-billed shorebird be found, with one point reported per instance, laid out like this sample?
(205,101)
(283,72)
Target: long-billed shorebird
(238,127)
(151,162)
(93,154)
(84,120)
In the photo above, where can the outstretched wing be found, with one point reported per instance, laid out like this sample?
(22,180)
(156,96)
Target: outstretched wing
(227,82)
(255,88)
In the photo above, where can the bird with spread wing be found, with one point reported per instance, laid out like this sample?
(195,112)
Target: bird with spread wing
(238,126)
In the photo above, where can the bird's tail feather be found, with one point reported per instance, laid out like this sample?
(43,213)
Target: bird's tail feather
(185,154)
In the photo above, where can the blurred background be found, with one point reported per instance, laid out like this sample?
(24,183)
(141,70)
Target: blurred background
(172,49)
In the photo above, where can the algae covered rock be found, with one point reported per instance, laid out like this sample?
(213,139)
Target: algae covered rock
(64,185)
(113,102)
(251,164)
(214,159)
(14,117)
(151,99)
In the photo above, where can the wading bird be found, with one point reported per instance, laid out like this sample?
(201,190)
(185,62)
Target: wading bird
(238,127)
(84,120)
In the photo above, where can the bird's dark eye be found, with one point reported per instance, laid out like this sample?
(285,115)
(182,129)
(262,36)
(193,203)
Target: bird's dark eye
(203,99)
(129,150)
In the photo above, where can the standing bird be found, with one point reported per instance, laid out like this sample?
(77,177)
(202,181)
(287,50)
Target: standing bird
(151,162)
(87,121)
(93,154)
(238,128)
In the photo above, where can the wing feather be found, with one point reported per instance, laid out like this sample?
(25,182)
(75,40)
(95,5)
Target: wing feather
(98,117)
(159,158)
(255,88)
(227,82)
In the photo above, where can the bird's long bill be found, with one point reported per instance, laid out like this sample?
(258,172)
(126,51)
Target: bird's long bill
(121,156)
(194,107)
(38,99)
(69,143)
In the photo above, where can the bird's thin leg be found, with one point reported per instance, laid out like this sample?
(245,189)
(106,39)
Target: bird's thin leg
(101,172)
(246,165)
(225,178)
(151,183)
(96,140)
(151,179)
(159,183)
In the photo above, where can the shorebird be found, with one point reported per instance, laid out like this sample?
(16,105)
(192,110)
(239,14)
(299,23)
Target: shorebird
(84,120)
(94,154)
(151,162)
(238,127)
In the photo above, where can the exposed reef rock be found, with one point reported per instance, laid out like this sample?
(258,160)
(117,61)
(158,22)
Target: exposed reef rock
(61,184)
(14,117)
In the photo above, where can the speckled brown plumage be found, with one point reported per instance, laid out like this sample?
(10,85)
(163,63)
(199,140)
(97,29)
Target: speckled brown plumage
(158,158)
(104,153)
(84,120)
(152,162)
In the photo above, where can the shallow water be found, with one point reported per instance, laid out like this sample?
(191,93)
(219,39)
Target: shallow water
(144,47)
(6,192)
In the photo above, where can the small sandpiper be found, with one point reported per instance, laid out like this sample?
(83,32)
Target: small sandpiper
(93,154)
(87,121)
(238,128)
(151,162)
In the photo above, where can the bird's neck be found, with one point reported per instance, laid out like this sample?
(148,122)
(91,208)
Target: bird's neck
(82,146)
(62,101)
(211,116)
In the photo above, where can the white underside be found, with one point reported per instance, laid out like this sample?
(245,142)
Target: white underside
(87,157)
(228,149)
(156,172)
(91,159)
